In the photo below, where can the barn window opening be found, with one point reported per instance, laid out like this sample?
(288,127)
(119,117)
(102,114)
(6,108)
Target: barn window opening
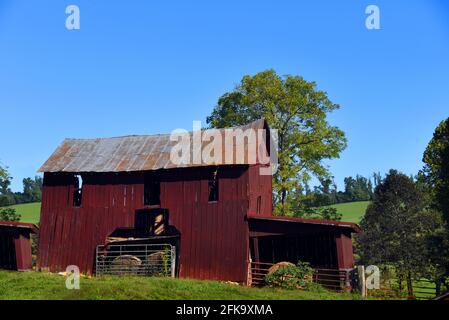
(213,186)
(152,191)
(78,191)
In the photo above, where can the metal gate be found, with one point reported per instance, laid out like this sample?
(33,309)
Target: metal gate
(136,259)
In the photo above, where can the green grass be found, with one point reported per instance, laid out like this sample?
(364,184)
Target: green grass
(352,211)
(30,212)
(37,285)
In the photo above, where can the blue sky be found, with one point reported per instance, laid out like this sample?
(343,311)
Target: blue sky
(142,67)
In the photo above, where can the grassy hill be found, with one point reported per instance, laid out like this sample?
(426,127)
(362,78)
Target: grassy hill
(37,285)
(30,212)
(352,211)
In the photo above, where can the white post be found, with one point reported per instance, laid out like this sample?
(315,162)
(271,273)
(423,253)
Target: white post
(362,280)
(173,261)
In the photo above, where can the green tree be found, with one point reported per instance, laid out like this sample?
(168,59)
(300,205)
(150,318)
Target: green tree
(32,189)
(6,196)
(299,112)
(358,189)
(396,226)
(436,159)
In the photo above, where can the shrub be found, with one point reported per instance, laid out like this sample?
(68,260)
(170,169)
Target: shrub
(9,214)
(291,276)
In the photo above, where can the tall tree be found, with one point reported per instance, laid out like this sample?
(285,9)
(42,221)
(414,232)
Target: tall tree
(377,177)
(32,189)
(436,159)
(435,179)
(396,227)
(299,112)
(6,196)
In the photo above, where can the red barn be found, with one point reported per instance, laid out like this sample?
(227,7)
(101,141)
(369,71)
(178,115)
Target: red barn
(222,212)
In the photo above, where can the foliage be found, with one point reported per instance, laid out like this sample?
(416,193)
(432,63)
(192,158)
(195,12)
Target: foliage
(6,196)
(291,276)
(436,159)
(34,243)
(32,189)
(438,257)
(356,189)
(166,259)
(434,181)
(9,214)
(37,285)
(326,213)
(299,112)
(396,226)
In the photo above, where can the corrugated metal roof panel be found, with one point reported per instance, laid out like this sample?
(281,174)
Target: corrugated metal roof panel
(129,153)
(350,225)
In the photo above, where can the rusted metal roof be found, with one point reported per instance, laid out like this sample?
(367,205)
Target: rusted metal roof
(15,224)
(132,153)
(350,225)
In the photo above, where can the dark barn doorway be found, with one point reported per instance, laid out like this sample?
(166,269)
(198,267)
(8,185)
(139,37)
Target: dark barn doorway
(318,249)
(15,245)
(322,243)
(7,251)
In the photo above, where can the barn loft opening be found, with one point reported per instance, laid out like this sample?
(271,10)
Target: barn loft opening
(152,190)
(213,186)
(78,191)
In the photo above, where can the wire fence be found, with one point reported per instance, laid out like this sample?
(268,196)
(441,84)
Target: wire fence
(391,288)
(333,279)
(136,259)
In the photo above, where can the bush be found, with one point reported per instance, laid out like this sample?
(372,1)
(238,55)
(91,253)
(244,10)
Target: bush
(9,214)
(291,276)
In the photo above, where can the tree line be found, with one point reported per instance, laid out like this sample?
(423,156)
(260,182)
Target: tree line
(32,189)
(358,188)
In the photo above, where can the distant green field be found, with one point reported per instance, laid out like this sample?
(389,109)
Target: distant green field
(30,212)
(352,211)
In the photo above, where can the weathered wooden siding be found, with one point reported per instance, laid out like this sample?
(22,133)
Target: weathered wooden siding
(214,236)
(15,248)
(260,186)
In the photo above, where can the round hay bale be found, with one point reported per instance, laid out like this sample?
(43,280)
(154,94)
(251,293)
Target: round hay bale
(278,265)
(125,264)
(155,262)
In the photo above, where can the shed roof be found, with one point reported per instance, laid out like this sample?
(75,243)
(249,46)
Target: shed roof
(15,224)
(131,153)
(349,225)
